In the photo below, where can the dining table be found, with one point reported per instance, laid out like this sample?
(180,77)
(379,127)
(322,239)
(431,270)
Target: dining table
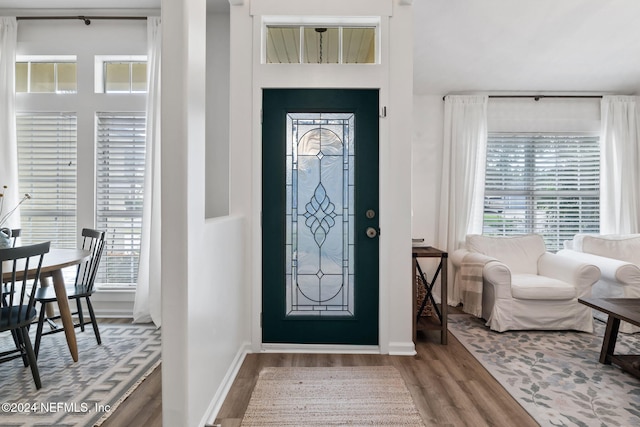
(53,264)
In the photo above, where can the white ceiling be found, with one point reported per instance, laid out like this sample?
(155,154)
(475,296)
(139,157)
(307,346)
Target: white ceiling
(526,46)
(508,46)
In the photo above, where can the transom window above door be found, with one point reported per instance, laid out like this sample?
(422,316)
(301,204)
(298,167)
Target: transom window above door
(322,43)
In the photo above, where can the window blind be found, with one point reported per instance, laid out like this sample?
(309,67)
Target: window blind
(47,170)
(545,184)
(119,189)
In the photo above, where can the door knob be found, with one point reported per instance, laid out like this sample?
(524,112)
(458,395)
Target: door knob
(371,232)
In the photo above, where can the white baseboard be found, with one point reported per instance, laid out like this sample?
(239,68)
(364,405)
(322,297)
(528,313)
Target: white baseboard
(225,386)
(113,303)
(320,348)
(395,349)
(402,348)
(107,304)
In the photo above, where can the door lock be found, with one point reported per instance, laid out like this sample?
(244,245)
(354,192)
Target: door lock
(371,232)
(370,214)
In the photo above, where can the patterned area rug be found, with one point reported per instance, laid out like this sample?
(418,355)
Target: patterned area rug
(357,396)
(555,375)
(82,393)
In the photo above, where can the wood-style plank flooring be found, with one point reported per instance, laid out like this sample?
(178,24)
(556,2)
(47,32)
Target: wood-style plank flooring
(144,406)
(448,385)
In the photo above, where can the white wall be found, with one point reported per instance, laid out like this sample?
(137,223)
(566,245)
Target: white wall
(218,317)
(426,152)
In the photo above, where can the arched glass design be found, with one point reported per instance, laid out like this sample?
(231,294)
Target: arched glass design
(320,214)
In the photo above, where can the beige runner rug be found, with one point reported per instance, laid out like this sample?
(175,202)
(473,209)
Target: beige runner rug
(331,396)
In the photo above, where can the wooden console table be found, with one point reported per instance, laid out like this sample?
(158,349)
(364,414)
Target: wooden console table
(627,309)
(420,276)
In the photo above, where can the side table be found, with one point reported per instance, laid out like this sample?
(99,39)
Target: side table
(419,275)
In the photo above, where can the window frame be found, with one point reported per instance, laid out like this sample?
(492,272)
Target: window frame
(531,195)
(100,75)
(320,22)
(46,59)
(51,159)
(101,193)
(84,104)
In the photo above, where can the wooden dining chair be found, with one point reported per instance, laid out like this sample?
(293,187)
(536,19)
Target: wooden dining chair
(18,310)
(92,241)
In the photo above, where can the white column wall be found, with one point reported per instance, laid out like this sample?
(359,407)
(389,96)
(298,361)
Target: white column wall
(395,254)
(202,280)
(204,292)
(428,119)
(175,199)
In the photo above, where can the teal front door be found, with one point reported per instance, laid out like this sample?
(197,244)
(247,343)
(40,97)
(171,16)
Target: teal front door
(320,216)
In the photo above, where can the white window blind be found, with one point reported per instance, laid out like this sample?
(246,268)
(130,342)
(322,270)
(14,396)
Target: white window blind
(119,190)
(47,170)
(545,184)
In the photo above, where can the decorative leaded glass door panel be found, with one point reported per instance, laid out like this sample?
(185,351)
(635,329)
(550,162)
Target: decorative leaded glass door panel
(320,220)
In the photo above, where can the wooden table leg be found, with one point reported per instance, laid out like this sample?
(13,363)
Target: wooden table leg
(609,341)
(414,295)
(44,282)
(65,313)
(443,297)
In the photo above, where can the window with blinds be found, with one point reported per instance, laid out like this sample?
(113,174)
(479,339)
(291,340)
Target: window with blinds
(119,194)
(545,184)
(47,170)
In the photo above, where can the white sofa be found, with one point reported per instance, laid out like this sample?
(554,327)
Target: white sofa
(526,287)
(618,258)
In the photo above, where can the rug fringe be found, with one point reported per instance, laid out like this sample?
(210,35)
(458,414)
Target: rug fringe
(127,394)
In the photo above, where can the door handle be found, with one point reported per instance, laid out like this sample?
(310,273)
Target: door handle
(371,232)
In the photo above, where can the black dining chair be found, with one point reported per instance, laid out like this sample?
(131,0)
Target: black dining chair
(18,309)
(92,241)
(15,233)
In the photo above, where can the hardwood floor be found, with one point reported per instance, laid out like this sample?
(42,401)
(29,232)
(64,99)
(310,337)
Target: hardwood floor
(448,385)
(144,406)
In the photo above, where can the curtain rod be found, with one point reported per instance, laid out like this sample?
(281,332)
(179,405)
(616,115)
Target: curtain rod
(85,19)
(539,97)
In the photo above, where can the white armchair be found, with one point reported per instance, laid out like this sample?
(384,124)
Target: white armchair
(618,258)
(524,286)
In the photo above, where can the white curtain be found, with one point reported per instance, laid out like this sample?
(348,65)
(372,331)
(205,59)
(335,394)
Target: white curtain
(147,306)
(463,169)
(619,173)
(8,142)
